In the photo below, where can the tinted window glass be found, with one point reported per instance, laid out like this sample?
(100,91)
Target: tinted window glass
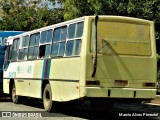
(35,52)
(20,56)
(78,47)
(73,46)
(15,44)
(61,49)
(37,39)
(15,49)
(32,40)
(47,51)
(69,48)
(71,31)
(63,33)
(25,41)
(55,49)
(14,55)
(57,34)
(49,36)
(30,54)
(59,40)
(25,54)
(60,34)
(79,29)
(43,36)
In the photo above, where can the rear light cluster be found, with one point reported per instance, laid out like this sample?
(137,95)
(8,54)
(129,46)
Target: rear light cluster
(92,82)
(149,84)
(121,82)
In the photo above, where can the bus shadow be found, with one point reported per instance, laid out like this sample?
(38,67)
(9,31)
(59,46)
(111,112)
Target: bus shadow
(83,110)
(5,98)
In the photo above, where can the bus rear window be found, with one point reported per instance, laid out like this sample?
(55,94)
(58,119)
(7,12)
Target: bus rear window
(124,38)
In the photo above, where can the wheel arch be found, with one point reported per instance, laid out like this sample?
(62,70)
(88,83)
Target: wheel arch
(10,85)
(44,83)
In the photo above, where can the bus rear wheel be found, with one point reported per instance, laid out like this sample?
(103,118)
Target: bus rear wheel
(47,98)
(15,98)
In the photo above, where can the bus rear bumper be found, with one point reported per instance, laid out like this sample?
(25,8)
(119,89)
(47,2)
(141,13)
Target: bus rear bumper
(120,92)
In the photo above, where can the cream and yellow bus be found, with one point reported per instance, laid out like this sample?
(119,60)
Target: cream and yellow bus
(98,58)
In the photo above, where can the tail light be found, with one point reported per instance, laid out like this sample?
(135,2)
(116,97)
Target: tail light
(121,82)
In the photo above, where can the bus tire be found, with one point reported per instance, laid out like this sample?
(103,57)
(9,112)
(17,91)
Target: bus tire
(15,98)
(47,98)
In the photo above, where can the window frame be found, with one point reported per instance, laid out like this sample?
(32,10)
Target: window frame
(24,47)
(33,46)
(74,39)
(45,43)
(59,42)
(17,49)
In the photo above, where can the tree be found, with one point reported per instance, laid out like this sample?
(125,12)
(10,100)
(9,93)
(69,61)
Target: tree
(145,9)
(25,15)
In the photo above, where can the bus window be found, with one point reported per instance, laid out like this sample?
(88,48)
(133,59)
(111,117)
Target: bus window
(33,46)
(7,57)
(25,41)
(15,49)
(22,54)
(35,53)
(59,39)
(43,36)
(44,49)
(24,48)
(73,46)
(46,36)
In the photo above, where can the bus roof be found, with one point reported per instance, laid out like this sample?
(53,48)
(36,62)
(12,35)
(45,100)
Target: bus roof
(109,17)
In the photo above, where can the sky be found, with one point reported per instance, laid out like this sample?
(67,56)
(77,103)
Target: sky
(50,6)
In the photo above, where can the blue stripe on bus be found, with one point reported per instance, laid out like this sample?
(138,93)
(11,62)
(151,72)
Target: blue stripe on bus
(45,70)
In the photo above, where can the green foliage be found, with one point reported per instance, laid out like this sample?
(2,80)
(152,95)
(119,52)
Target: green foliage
(26,15)
(145,9)
(31,14)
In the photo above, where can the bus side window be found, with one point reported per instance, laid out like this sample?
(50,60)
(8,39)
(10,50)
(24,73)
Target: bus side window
(33,46)
(44,49)
(24,48)
(59,40)
(15,48)
(7,57)
(73,47)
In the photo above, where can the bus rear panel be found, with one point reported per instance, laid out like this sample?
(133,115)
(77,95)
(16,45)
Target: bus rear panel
(126,59)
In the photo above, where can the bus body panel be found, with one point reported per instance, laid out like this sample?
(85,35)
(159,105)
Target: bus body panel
(26,80)
(64,78)
(123,68)
(133,70)
(29,76)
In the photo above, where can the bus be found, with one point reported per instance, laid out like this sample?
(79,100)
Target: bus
(97,58)
(3,36)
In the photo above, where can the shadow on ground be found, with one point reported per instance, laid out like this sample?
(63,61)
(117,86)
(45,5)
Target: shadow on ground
(84,111)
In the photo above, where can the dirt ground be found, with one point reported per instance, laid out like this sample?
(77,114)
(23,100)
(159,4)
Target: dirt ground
(156,100)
